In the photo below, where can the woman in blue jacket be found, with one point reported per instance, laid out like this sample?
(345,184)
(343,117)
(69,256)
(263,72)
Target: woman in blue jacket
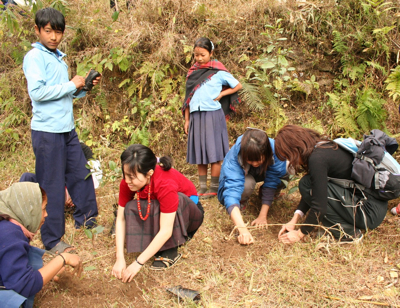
(22,274)
(250,160)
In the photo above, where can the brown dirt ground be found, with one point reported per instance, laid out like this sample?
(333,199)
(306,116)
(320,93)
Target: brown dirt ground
(265,274)
(97,288)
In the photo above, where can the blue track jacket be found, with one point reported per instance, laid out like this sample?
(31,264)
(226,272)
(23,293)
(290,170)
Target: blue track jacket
(231,179)
(50,90)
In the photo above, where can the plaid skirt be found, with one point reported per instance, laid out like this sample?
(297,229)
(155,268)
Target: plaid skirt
(139,233)
(208,140)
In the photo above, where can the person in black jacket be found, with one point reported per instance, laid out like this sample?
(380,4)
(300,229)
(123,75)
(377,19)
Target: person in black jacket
(344,211)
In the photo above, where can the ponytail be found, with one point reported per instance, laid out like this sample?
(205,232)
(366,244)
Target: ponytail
(165,162)
(140,158)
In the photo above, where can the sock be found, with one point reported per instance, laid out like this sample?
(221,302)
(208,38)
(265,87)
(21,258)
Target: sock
(214,184)
(203,184)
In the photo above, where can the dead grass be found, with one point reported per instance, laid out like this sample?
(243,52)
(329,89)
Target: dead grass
(265,274)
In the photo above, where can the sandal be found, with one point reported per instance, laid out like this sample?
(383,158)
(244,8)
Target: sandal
(62,247)
(207,195)
(166,261)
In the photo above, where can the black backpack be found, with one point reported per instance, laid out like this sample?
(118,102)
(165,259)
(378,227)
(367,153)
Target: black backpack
(375,172)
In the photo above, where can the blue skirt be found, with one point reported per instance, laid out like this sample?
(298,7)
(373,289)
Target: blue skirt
(208,137)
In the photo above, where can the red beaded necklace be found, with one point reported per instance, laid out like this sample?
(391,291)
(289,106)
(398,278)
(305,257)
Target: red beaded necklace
(148,203)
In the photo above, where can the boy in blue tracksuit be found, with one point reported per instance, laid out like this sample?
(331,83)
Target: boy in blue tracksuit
(60,160)
(250,160)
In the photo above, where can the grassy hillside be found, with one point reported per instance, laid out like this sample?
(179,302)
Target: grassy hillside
(329,65)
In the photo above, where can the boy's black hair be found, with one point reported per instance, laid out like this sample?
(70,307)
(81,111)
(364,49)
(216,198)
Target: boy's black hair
(52,16)
(205,43)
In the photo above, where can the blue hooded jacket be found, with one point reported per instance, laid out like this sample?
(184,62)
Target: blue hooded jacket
(231,179)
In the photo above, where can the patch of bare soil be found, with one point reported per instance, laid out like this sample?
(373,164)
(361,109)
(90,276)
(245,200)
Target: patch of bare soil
(72,291)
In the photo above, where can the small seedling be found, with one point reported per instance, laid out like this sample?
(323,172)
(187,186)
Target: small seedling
(91,233)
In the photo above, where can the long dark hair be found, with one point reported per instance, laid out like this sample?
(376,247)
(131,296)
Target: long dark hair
(205,43)
(295,144)
(255,146)
(140,158)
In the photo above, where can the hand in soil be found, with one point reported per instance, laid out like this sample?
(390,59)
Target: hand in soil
(131,272)
(291,237)
(78,270)
(119,268)
(260,223)
(286,228)
(59,274)
(75,262)
(245,238)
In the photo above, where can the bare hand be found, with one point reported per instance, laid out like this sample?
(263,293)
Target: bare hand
(119,268)
(131,272)
(260,222)
(60,272)
(97,80)
(291,237)
(186,127)
(74,261)
(68,200)
(286,228)
(218,98)
(79,81)
(245,238)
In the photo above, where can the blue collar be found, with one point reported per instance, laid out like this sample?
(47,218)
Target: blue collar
(41,47)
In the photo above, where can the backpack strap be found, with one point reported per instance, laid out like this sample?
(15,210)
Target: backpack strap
(363,157)
(346,183)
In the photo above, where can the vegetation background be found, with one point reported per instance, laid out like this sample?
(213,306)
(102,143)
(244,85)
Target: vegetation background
(328,65)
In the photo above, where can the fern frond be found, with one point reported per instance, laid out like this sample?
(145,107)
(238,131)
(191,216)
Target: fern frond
(251,96)
(377,66)
(370,113)
(393,82)
(344,112)
(339,44)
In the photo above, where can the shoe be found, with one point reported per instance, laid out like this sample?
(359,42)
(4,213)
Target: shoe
(243,205)
(356,239)
(396,210)
(166,259)
(62,247)
(112,230)
(207,195)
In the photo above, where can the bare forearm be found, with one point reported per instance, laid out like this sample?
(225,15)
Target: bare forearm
(159,240)
(238,219)
(120,233)
(295,219)
(52,268)
(230,91)
(264,211)
(187,114)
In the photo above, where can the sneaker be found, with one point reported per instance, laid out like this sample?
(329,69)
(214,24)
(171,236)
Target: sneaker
(356,239)
(396,210)
(243,205)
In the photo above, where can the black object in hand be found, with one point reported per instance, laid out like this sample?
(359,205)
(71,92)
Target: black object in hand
(88,81)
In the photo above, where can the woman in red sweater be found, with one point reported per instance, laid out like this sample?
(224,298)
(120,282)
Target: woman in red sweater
(164,215)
